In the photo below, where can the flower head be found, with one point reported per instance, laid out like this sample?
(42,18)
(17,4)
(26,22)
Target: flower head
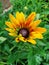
(25,29)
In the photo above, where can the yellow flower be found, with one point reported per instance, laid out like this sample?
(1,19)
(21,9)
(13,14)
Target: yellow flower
(25,29)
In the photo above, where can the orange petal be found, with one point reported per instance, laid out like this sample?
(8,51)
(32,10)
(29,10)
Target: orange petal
(31,28)
(30,18)
(36,23)
(33,25)
(40,29)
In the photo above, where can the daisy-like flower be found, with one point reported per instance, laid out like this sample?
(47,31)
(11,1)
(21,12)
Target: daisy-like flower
(25,29)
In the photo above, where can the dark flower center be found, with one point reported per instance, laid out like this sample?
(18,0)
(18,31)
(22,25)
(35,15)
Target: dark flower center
(24,32)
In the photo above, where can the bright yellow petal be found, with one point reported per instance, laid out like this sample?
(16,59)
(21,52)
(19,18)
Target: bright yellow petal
(31,36)
(37,35)
(20,17)
(13,20)
(31,41)
(17,39)
(10,30)
(36,23)
(13,34)
(9,24)
(22,39)
(30,18)
(40,29)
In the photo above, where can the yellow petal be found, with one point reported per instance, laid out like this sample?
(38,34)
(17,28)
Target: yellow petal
(40,29)
(31,36)
(22,39)
(17,39)
(31,41)
(9,24)
(13,34)
(13,20)
(30,18)
(37,35)
(10,30)
(20,17)
(36,23)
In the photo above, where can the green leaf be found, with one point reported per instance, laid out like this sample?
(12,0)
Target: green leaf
(1,64)
(31,58)
(47,46)
(45,12)
(45,63)
(41,43)
(2,39)
(16,56)
(38,59)
(47,57)
(46,26)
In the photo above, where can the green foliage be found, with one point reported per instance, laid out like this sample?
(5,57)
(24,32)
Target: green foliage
(12,53)
(2,39)
(1,9)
